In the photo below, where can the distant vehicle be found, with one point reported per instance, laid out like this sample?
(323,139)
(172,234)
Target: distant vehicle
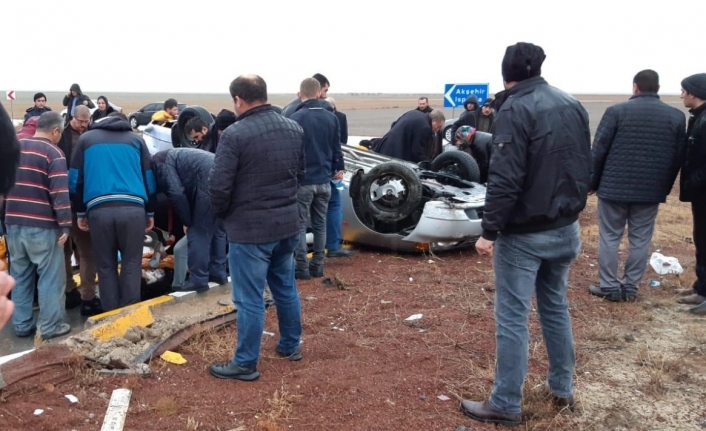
(95,103)
(143,115)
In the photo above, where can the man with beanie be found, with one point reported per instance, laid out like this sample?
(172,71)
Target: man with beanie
(538,182)
(224,119)
(693,181)
(484,118)
(637,153)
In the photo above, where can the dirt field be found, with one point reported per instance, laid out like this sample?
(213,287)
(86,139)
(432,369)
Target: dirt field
(641,366)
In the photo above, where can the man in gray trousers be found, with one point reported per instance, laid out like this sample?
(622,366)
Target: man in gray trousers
(637,153)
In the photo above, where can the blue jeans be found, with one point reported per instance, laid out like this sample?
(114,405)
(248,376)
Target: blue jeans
(334,219)
(313,203)
(35,251)
(251,265)
(526,264)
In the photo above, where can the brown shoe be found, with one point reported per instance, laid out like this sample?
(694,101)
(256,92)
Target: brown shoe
(484,412)
(564,403)
(693,299)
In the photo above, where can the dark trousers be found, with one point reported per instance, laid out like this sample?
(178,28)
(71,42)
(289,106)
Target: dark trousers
(84,258)
(207,250)
(698,210)
(118,229)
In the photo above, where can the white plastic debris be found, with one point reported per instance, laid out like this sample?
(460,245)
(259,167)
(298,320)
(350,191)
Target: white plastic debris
(271,334)
(664,265)
(443,398)
(411,279)
(413,317)
(382,301)
(72,399)
(38,412)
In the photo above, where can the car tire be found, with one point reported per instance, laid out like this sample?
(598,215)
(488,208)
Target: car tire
(458,163)
(447,133)
(133,122)
(181,138)
(375,190)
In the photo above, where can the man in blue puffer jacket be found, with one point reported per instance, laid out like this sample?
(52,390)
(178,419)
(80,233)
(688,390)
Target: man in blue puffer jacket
(113,188)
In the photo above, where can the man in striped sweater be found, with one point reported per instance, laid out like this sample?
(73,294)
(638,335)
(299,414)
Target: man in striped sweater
(38,220)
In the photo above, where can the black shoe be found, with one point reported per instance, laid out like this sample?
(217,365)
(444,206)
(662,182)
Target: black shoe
(61,329)
(316,271)
(192,287)
(73,299)
(230,370)
(302,275)
(613,295)
(341,252)
(218,280)
(25,334)
(629,295)
(296,356)
(91,308)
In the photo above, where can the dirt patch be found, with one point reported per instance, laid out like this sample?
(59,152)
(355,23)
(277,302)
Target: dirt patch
(640,366)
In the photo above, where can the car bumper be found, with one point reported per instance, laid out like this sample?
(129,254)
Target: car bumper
(446,223)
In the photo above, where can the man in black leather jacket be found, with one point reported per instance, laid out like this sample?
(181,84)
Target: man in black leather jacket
(538,182)
(693,180)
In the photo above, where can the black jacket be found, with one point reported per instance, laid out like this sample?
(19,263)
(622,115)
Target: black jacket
(66,144)
(35,112)
(322,142)
(484,123)
(97,114)
(638,150)
(9,153)
(68,101)
(467,117)
(182,175)
(693,173)
(409,139)
(540,166)
(253,184)
(343,124)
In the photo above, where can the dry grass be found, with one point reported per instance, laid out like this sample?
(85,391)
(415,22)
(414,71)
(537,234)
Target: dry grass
(166,406)
(212,345)
(281,405)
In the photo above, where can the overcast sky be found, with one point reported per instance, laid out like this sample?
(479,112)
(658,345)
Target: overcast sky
(406,46)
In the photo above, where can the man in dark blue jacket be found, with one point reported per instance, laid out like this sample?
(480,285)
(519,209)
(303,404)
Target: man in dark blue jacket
(113,189)
(637,153)
(253,186)
(182,175)
(324,160)
(40,106)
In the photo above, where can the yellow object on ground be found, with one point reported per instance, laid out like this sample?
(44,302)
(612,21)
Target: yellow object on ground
(142,316)
(173,358)
(149,303)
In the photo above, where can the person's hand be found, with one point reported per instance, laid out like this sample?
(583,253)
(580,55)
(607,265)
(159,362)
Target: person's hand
(6,306)
(63,238)
(485,247)
(85,102)
(150,224)
(185,229)
(339,175)
(83,224)
(591,192)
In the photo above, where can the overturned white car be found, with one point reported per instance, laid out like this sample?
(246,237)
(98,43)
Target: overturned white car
(388,203)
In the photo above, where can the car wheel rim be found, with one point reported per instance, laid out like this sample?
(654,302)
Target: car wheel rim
(447,134)
(388,193)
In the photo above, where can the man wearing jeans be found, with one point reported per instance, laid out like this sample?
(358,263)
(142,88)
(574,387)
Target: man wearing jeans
(324,160)
(38,219)
(253,185)
(538,183)
(637,154)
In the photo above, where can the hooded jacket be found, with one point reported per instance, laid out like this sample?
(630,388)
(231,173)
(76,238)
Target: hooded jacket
(467,117)
(80,99)
(111,164)
(97,114)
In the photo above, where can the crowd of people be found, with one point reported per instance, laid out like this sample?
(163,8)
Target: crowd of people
(247,198)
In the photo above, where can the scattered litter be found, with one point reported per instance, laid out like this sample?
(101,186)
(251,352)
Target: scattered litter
(72,399)
(411,279)
(443,398)
(423,397)
(664,265)
(591,265)
(654,283)
(422,330)
(336,328)
(327,281)
(413,317)
(271,334)
(310,298)
(173,358)
(382,301)
(38,412)
(431,261)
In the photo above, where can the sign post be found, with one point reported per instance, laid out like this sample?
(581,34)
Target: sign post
(456,94)
(10,95)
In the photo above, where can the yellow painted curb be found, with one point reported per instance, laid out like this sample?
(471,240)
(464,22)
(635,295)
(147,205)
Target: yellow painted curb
(149,303)
(142,316)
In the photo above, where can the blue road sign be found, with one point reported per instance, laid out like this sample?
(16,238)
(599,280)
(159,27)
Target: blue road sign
(456,94)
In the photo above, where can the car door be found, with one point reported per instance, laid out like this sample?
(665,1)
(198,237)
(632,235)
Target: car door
(148,111)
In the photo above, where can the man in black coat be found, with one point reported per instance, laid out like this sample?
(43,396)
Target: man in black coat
(253,185)
(182,175)
(538,182)
(74,98)
(637,153)
(411,137)
(40,106)
(693,180)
